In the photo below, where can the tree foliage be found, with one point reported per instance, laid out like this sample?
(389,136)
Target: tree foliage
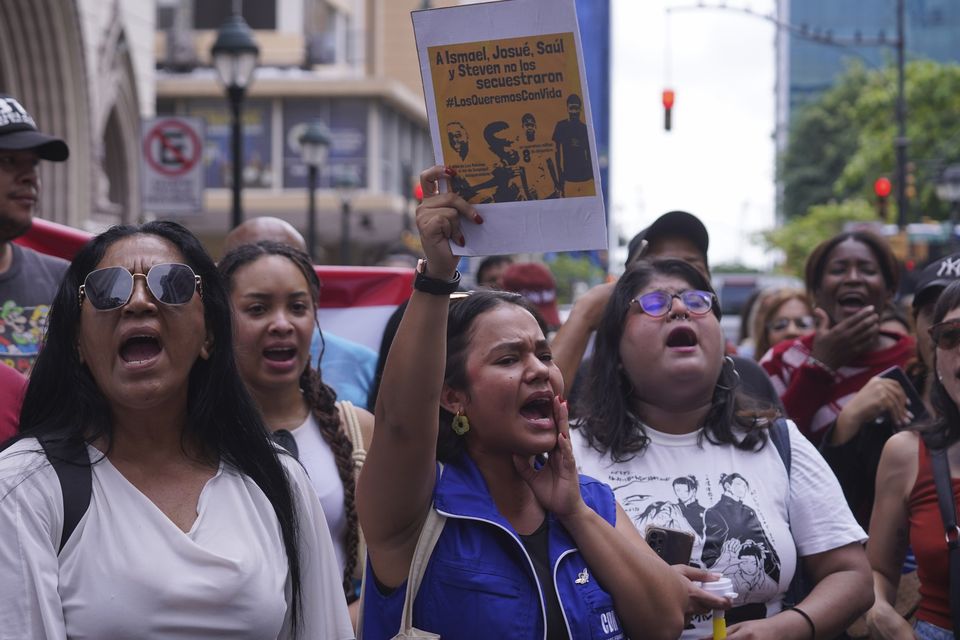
(844,140)
(798,237)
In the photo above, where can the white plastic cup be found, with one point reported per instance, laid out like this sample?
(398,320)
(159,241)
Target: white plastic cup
(722,587)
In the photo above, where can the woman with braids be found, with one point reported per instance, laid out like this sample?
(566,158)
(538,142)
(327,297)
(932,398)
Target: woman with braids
(663,403)
(143,497)
(274,291)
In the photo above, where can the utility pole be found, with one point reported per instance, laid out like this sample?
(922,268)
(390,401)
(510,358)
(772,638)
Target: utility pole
(901,141)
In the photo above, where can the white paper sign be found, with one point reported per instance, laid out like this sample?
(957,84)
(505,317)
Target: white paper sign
(507,102)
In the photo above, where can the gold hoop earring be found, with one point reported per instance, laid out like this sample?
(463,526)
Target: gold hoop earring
(460,424)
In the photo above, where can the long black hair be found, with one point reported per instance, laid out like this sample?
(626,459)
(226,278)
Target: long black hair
(463,314)
(320,397)
(609,423)
(63,400)
(944,430)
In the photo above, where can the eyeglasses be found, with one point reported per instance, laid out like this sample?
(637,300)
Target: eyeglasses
(802,323)
(946,335)
(658,303)
(170,283)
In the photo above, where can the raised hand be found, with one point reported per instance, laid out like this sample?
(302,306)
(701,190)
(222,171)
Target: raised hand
(438,221)
(838,345)
(556,485)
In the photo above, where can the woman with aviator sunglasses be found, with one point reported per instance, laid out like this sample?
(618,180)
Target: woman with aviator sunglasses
(194,524)
(665,422)
(906,509)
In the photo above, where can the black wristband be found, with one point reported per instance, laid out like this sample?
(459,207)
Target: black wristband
(813,627)
(434,286)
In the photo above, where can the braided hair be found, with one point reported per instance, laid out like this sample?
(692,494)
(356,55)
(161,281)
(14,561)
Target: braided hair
(320,397)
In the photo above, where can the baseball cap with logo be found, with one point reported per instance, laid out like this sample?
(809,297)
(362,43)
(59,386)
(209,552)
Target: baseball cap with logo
(18,132)
(935,277)
(534,282)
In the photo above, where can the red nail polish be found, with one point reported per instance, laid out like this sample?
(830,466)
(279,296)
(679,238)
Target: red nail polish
(450,171)
(462,241)
(477,218)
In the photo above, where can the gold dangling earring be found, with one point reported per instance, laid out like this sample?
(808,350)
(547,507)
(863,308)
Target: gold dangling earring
(460,424)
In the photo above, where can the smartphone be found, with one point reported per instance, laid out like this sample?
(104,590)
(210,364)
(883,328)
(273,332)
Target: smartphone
(914,401)
(672,545)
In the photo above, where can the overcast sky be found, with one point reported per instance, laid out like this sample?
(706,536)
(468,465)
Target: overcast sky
(718,162)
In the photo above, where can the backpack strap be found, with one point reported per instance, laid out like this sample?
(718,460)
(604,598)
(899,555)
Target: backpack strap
(69,459)
(780,436)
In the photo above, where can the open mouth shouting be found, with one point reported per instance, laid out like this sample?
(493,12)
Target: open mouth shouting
(280,357)
(140,349)
(850,302)
(538,410)
(682,338)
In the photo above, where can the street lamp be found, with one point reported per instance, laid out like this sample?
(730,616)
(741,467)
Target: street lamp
(948,190)
(235,57)
(314,146)
(345,184)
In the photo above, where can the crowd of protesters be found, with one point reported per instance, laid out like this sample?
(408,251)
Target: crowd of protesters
(181,455)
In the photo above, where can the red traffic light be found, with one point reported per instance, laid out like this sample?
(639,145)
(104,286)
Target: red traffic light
(668,98)
(882,187)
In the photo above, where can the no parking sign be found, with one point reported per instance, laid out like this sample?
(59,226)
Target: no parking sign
(172,165)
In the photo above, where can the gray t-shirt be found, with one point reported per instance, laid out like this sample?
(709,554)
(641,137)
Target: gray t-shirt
(27,289)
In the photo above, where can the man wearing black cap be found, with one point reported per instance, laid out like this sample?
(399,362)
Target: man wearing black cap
(675,234)
(28,279)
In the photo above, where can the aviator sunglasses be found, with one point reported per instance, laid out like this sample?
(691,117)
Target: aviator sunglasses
(946,335)
(170,283)
(658,303)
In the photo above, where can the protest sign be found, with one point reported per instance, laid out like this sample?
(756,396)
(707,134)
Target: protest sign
(509,112)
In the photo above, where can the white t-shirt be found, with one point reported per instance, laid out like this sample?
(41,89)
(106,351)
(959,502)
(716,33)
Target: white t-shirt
(317,458)
(736,505)
(129,572)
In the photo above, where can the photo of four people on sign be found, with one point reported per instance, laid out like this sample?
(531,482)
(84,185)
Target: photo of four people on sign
(526,166)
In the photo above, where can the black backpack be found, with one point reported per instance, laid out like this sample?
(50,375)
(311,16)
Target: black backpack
(800,585)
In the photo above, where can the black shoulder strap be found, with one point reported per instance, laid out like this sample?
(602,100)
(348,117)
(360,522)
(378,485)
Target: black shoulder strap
(68,457)
(780,435)
(948,513)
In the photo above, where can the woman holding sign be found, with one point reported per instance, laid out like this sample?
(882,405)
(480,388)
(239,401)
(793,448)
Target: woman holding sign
(472,439)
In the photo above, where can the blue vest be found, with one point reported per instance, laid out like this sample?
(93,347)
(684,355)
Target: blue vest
(480,581)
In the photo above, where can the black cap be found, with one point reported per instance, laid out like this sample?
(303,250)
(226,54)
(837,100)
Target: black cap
(672,224)
(935,277)
(18,132)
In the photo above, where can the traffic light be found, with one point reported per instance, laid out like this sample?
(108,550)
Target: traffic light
(882,188)
(911,181)
(668,98)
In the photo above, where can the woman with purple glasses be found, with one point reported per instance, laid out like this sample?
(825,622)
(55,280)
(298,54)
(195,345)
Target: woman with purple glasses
(665,422)
(906,511)
(143,497)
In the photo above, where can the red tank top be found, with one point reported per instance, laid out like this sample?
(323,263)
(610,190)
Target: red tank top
(926,538)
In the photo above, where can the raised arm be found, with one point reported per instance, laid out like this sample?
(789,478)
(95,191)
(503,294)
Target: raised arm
(396,484)
(570,343)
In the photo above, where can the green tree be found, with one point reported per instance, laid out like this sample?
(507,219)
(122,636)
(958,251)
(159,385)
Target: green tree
(798,237)
(568,270)
(844,140)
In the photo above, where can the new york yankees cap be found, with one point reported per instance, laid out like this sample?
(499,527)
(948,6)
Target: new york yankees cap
(935,277)
(18,132)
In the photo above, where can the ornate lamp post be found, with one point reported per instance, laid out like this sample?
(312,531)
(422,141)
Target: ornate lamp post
(234,56)
(314,147)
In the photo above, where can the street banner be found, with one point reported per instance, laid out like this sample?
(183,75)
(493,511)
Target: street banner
(509,112)
(172,165)
(355,302)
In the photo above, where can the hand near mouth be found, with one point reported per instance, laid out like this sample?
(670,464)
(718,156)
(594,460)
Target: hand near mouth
(556,484)
(837,345)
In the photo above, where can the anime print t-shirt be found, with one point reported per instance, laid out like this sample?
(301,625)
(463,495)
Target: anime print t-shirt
(738,505)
